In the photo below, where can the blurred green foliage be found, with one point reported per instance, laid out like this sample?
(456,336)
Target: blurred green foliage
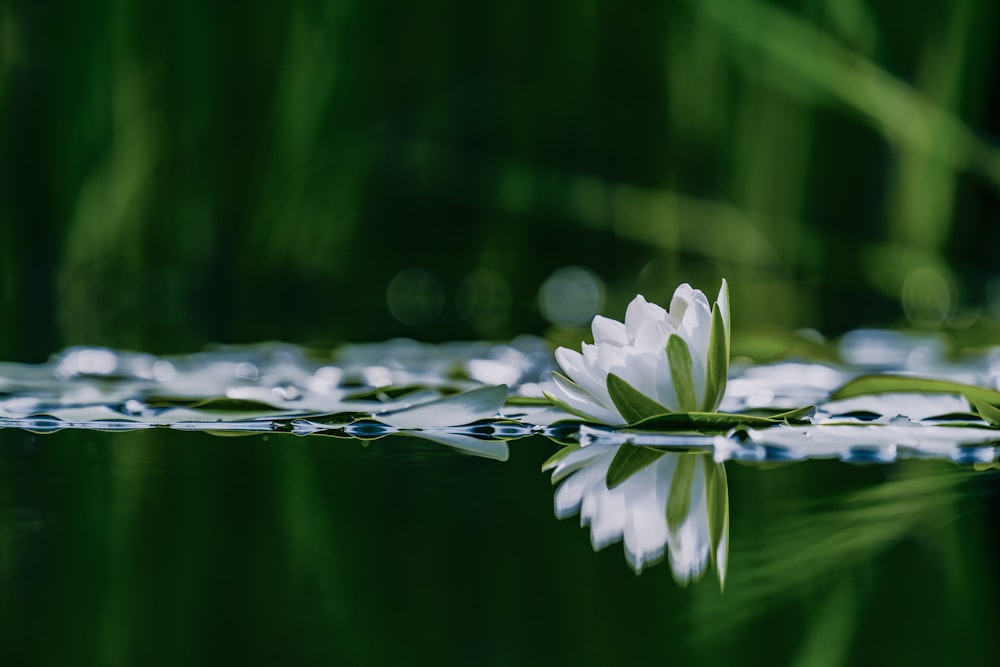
(176,174)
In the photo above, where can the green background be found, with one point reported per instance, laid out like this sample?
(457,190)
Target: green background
(175,174)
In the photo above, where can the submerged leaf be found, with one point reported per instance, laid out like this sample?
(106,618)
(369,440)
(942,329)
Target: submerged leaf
(885,384)
(632,403)
(629,460)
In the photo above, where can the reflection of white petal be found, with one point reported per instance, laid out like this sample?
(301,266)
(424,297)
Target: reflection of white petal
(572,492)
(634,511)
(646,528)
(690,543)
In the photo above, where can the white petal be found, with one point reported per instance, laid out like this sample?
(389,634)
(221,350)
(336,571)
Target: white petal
(640,311)
(723,301)
(650,337)
(609,331)
(583,372)
(640,371)
(683,296)
(696,327)
(585,403)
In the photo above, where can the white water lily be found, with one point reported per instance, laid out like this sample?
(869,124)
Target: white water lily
(657,361)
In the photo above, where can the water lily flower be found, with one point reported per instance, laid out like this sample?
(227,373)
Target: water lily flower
(657,361)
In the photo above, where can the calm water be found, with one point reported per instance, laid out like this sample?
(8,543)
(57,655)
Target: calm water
(165,547)
(131,535)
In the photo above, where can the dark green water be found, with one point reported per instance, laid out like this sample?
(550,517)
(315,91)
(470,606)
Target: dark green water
(171,548)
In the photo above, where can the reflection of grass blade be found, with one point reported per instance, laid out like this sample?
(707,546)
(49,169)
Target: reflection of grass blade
(814,542)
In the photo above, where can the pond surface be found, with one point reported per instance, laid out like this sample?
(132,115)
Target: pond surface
(130,534)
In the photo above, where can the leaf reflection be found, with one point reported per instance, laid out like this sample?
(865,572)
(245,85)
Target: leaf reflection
(658,503)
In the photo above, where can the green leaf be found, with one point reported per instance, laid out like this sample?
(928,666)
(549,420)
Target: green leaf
(455,410)
(717,499)
(679,357)
(718,361)
(679,499)
(223,404)
(702,421)
(796,416)
(988,413)
(884,384)
(629,460)
(631,403)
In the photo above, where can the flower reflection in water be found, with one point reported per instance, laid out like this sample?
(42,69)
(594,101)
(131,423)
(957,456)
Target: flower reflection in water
(657,502)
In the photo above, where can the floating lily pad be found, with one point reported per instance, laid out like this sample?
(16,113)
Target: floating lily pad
(455,410)
(885,384)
